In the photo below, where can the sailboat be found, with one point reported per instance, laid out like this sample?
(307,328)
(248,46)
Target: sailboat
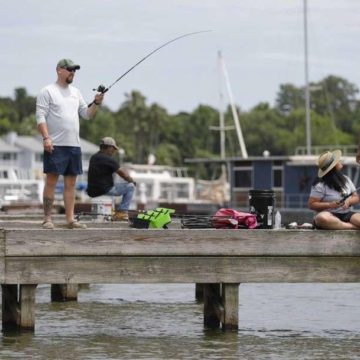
(222,128)
(218,191)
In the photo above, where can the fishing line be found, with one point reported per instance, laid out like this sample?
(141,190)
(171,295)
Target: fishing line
(102,89)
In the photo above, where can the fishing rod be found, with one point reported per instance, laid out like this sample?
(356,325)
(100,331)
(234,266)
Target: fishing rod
(348,195)
(103,89)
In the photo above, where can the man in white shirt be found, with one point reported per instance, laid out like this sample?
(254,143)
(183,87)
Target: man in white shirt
(58,107)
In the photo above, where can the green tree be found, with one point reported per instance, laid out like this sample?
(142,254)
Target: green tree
(168,154)
(335,97)
(192,134)
(141,129)
(289,98)
(24,104)
(136,111)
(158,121)
(7,114)
(265,129)
(100,126)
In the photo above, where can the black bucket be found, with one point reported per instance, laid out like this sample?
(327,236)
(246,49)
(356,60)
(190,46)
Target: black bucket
(262,204)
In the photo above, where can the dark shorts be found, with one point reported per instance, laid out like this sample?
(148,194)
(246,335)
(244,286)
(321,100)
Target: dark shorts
(64,160)
(345,217)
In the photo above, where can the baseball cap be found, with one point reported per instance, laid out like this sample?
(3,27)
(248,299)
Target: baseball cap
(109,141)
(67,63)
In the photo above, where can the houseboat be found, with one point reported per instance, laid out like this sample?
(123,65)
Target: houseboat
(290,177)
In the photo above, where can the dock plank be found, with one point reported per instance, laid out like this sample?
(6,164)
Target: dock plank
(150,269)
(173,242)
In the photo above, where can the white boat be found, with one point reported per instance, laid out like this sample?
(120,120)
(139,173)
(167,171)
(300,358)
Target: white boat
(16,186)
(169,186)
(161,184)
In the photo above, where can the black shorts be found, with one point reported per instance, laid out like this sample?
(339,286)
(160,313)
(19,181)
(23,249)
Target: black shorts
(345,217)
(64,160)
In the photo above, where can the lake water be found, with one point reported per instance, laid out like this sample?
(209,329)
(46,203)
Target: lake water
(277,321)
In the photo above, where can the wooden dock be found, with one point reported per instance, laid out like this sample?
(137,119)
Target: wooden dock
(220,260)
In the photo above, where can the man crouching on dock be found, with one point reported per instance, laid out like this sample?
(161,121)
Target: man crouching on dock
(102,166)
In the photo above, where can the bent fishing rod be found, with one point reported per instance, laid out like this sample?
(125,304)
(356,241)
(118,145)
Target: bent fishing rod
(102,89)
(348,195)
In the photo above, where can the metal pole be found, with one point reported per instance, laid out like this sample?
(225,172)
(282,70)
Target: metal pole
(221,121)
(234,112)
(221,114)
(307,89)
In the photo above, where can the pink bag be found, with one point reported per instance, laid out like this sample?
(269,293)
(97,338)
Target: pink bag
(229,218)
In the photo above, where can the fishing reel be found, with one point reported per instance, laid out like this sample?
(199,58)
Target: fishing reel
(101,89)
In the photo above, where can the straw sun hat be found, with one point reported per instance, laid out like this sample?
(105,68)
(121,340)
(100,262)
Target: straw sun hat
(327,161)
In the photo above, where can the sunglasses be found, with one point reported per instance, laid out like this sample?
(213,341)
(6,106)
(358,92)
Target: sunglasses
(69,69)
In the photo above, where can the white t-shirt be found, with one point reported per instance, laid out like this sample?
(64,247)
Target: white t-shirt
(60,107)
(324,193)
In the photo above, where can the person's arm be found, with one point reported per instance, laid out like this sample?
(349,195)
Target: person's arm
(317,205)
(91,111)
(47,142)
(351,200)
(122,173)
(42,110)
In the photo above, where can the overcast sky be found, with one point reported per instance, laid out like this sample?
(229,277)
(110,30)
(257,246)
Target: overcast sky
(262,42)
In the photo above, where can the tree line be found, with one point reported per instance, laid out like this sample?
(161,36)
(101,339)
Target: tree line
(142,129)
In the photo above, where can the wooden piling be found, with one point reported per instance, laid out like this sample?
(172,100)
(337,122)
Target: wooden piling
(64,292)
(83,286)
(10,309)
(230,301)
(18,307)
(27,307)
(199,292)
(212,306)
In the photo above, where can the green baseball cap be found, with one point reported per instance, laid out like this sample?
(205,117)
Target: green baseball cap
(67,63)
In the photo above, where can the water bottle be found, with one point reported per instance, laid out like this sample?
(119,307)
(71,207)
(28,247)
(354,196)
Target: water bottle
(277,220)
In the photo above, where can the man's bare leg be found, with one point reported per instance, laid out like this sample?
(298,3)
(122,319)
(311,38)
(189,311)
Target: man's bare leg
(69,197)
(49,194)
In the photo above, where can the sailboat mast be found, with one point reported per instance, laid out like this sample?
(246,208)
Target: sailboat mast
(233,109)
(221,113)
(307,88)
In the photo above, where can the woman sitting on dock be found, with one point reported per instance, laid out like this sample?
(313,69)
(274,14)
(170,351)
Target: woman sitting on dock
(333,194)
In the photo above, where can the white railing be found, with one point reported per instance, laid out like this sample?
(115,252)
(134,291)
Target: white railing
(347,150)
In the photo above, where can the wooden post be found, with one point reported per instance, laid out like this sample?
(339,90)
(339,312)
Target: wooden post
(18,307)
(230,301)
(27,307)
(212,306)
(10,308)
(83,286)
(64,292)
(199,292)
